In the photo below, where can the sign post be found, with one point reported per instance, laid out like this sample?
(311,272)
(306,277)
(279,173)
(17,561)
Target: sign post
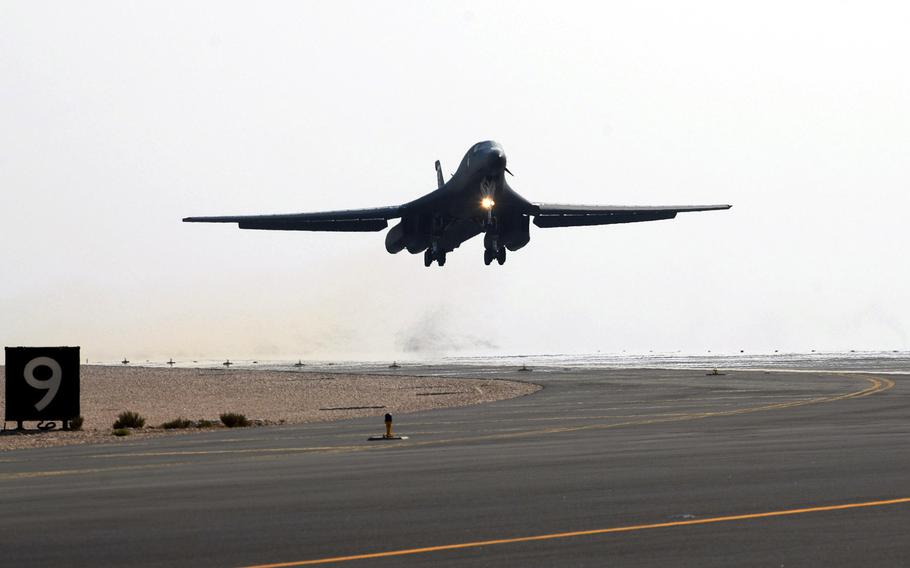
(42,384)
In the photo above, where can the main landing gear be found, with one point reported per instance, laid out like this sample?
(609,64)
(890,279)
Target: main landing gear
(493,249)
(434,252)
(490,255)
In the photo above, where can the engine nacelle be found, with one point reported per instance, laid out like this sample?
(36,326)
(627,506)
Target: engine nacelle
(395,239)
(515,232)
(400,237)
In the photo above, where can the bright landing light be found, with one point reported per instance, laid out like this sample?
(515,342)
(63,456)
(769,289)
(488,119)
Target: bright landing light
(487,203)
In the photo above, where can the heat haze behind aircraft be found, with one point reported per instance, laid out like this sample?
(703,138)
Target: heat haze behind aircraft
(476,199)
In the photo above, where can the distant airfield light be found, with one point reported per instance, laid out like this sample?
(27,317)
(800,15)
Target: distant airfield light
(487,203)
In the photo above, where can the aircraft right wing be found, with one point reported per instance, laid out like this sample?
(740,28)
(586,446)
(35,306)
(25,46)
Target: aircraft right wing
(375,219)
(554,215)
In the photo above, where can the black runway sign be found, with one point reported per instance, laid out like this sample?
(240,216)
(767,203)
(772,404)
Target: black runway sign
(42,383)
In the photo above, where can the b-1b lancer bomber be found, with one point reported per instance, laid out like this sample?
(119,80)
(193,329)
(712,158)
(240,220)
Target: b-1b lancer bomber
(476,199)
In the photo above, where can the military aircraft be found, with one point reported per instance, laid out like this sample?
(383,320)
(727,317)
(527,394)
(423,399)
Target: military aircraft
(476,199)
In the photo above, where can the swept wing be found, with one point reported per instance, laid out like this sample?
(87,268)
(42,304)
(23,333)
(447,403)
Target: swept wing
(556,215)
(375,219)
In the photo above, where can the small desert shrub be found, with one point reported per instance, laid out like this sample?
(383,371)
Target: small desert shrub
(233,419)
(129,419)
(203,423)
(177,423)
(121,432)
(76,423)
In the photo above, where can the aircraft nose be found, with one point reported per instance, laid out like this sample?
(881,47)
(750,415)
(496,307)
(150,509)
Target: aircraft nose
(498,157)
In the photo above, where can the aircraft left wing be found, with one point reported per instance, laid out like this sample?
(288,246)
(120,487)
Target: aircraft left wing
(555,215)
(375,219)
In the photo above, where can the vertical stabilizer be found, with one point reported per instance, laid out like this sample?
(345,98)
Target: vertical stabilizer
(439,179)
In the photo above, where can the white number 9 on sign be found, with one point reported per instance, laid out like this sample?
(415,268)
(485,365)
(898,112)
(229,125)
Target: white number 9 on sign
(51,384)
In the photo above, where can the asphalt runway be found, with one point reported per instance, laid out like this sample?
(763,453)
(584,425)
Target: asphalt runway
(600,468)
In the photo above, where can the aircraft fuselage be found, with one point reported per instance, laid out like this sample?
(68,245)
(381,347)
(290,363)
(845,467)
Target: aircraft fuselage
(476,199)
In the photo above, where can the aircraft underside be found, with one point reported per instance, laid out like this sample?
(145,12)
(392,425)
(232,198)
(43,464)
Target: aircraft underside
(435,236)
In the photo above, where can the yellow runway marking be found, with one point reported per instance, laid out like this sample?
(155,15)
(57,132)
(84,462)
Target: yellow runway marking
(876,385)
(554,536)
(57,472)
(290,450)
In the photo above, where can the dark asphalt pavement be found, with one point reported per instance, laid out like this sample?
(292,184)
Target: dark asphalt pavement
(593,450)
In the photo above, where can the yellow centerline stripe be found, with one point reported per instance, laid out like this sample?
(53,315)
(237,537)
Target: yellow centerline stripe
(287,450)
(629,528)
(876,385)
(85,471)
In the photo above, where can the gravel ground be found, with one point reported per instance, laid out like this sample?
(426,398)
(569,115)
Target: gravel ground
(267,397)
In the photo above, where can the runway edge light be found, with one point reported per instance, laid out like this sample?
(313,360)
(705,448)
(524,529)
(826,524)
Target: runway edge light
(388,432)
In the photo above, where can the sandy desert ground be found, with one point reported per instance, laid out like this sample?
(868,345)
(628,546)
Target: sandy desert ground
(266,397)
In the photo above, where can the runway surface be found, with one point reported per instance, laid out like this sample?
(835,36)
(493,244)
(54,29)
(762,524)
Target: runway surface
(600,468)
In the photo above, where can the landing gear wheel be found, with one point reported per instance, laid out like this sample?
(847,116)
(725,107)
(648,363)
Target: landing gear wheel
(501,256)
(427,258)
(487,256)
(441,259)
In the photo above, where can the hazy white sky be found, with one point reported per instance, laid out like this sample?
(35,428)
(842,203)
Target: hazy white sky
(118,118)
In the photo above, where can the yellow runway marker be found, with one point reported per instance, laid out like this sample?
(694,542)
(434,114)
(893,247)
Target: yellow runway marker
(285,450)
(554,536)
(875,385)
(57,472)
